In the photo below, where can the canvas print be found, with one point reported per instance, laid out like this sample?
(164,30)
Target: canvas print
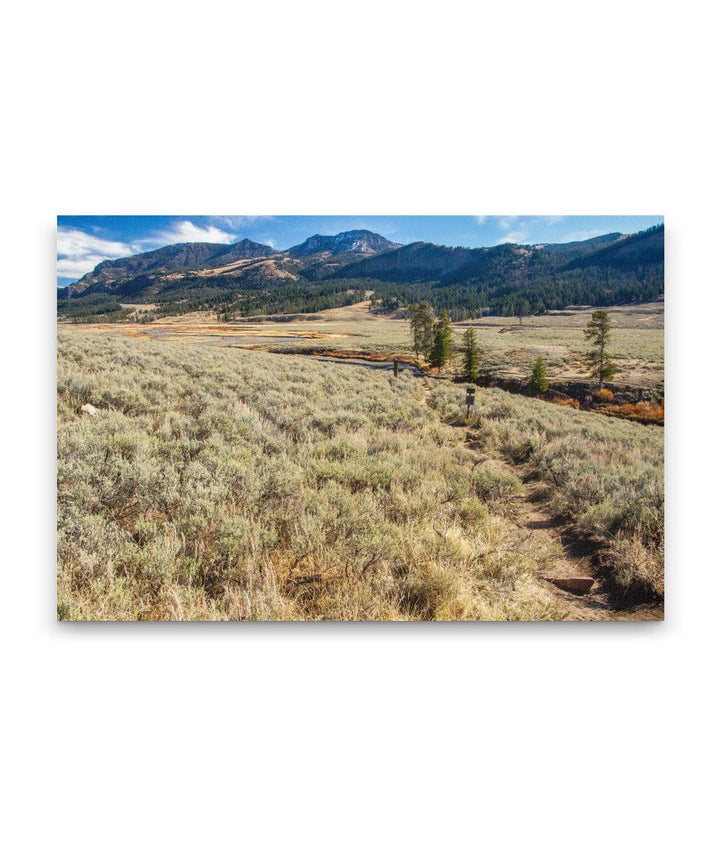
(360,418)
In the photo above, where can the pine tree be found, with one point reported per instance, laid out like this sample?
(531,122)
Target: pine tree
(422,323)
(442,346)
(538,379)
(597,332)
(471,358)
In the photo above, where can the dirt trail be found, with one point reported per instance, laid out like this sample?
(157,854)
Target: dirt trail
(533,515)
(539,528)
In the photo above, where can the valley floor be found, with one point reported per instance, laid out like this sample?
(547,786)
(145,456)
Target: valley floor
(227,484)
(509,348)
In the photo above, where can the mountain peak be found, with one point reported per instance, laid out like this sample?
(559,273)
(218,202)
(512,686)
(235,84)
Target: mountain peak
(359,242)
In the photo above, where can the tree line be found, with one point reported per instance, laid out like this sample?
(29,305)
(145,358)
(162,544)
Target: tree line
(591,287)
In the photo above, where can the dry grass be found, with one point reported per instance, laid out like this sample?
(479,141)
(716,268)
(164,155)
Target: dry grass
(225,484)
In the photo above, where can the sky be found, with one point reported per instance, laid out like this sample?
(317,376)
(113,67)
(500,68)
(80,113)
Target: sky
(85,241)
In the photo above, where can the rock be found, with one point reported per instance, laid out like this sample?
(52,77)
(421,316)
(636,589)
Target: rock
(577,585)
(88,410)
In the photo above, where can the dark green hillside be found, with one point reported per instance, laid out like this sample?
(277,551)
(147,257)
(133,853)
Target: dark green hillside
(512,278)
(418,262)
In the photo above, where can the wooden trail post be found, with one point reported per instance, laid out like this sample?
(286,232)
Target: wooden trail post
(469,400)
(395,366)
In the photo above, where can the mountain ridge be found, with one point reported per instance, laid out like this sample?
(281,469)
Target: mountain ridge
(195,255)
(327,270)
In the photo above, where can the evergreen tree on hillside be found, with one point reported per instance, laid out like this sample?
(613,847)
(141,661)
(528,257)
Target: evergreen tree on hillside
(538,379)
(471,357)
(597,332)
(442,346)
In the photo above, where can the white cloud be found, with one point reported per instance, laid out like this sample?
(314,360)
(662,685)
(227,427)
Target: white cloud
(184,230)
(519,236)
(79,252)
(74,242)
(75,268)
(522,229)
(481,218)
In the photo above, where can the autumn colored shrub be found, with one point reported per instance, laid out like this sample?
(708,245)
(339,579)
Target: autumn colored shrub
(644,411)
(603,396)
(561,399)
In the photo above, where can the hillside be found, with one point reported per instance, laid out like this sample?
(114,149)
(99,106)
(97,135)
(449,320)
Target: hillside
(510,278)
(174,258)
(323,271)
(418,262)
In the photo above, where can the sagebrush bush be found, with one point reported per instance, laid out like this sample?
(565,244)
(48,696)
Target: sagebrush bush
(219,484)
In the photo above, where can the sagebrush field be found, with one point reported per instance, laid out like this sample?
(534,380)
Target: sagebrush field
(221,483)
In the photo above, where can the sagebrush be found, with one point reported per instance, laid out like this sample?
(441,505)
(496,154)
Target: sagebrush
(216,483)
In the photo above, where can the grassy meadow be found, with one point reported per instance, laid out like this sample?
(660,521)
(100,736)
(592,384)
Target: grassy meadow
(508,347)
(226,484)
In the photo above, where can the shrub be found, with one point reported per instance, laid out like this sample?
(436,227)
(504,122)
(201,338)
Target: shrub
(492,483)
(644,411)
(603,396)
(561,399)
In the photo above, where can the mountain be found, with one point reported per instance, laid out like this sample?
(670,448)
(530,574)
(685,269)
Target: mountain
(420,262)
(246,278)
(642,248)
(173,258)
(581,248)
(358,242)
(314,258)
(610,269)
(414,262)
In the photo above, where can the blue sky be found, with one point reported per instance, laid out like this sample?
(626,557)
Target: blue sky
(85,241)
